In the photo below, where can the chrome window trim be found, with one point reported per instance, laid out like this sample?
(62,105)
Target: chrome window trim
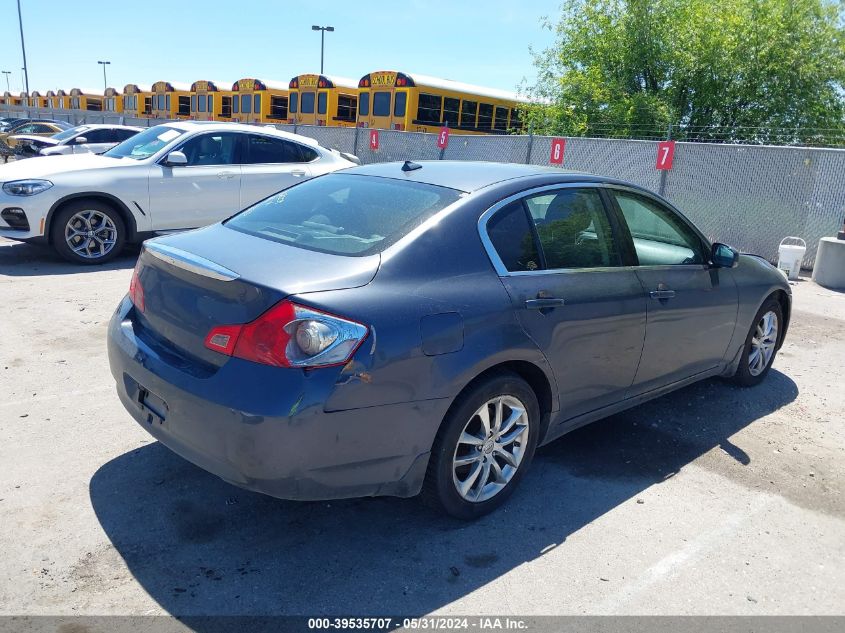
(502,271)
(498,265)
(190,262)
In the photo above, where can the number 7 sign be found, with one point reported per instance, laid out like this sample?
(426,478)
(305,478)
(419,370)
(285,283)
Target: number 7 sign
(665,154)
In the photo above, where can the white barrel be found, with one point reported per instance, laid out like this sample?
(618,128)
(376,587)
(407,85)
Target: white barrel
(790,256)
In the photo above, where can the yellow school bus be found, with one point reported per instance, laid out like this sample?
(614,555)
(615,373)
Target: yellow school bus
(323,100)
(137,101)
(11,100)
(85,100)
(257,101)
(53,101)
(63,99)
(394,100)
(206,101)
(37,100)
(171,100)
(113,101)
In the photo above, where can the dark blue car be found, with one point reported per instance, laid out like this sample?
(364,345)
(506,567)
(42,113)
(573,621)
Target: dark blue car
(404,328)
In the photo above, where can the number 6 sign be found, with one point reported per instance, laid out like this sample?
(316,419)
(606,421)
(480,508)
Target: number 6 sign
(556,156)
(665,154)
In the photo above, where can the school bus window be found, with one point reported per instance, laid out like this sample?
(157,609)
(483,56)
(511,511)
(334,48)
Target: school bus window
(294,103)
(485,116)
(399,103)
(516,121)
(184,106)
(501,122)
(211,103)
(235,102)
(322,102)
(346,108)
(428,110)
(364,104)
(468,112)
(246,104)
(279,107)
(451,106)
(193,103)
(167,102)
(381,104)
(226,107)
(201,102)
(307,105)
(256,101)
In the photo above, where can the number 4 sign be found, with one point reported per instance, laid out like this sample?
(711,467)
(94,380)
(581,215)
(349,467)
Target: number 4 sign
(665,154)
(558,145)
(373,140)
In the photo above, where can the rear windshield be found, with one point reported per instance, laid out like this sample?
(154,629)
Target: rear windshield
(344,214)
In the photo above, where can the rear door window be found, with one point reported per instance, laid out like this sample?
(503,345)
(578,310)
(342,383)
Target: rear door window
(344,214)
(511,236)
(265,149)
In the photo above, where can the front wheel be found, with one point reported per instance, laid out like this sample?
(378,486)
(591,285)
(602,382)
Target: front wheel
(761,345)
(88,232)
(483,448)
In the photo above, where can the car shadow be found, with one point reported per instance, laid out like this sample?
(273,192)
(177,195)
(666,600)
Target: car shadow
(21,259)
(200,546)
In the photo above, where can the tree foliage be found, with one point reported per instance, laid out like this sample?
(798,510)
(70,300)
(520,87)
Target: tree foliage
(764,70)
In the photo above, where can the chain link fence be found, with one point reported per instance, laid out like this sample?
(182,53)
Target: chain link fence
(750,196)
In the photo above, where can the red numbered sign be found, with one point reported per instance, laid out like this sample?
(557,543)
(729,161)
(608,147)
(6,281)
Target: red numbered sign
(443,138)
(558,145)
(665,154)
(373,139)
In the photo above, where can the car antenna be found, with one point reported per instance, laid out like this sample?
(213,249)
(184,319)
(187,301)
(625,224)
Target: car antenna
(409,166)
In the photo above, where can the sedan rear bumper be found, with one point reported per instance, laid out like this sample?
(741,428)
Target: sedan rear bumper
(284,445)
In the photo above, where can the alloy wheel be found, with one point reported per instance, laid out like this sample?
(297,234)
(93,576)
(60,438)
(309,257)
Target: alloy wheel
(91,234)
(490,448)
(763,342)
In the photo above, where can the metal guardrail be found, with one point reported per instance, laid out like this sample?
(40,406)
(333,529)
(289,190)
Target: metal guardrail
(749,196)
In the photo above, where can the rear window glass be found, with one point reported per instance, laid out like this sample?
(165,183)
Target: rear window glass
(344,214)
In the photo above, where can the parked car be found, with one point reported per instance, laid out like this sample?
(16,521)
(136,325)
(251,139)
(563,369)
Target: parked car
(171,177)
(32,128)
(396,329)
(82,139)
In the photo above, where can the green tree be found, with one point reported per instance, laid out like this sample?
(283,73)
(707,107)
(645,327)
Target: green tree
(761,70)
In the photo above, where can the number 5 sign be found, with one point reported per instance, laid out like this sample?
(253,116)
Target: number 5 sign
(443,138)
(373,140)
(558,145)
(665,154)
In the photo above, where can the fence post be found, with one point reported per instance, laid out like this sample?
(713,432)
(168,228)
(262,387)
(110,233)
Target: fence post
(530,144)
(665,173)
(355,142)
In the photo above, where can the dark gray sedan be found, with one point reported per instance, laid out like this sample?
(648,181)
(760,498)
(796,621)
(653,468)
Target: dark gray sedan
(404,328)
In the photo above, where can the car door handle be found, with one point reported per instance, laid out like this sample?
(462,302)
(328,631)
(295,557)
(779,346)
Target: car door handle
(222,175)
(661,294)
(298,173)
(543,303)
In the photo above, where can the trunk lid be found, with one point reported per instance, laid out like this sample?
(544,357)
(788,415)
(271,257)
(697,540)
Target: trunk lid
(214,276)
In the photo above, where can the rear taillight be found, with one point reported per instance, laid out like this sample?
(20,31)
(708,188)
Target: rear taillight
(290,335)
(136,290)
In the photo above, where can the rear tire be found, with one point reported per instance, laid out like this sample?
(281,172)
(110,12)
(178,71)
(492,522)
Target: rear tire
(479,458)
(761,345)
(88,232)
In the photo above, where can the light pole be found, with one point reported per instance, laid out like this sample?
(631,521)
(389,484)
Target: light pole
(23,50)
(105,83)
(322,30)
(7,73)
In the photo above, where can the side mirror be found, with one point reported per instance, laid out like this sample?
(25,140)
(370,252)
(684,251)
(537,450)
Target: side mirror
(79,140)
(723,256)
(175,159)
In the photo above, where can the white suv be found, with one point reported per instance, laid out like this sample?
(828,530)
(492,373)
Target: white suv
(171,177)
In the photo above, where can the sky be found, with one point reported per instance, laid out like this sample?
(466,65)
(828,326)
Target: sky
(486,43)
